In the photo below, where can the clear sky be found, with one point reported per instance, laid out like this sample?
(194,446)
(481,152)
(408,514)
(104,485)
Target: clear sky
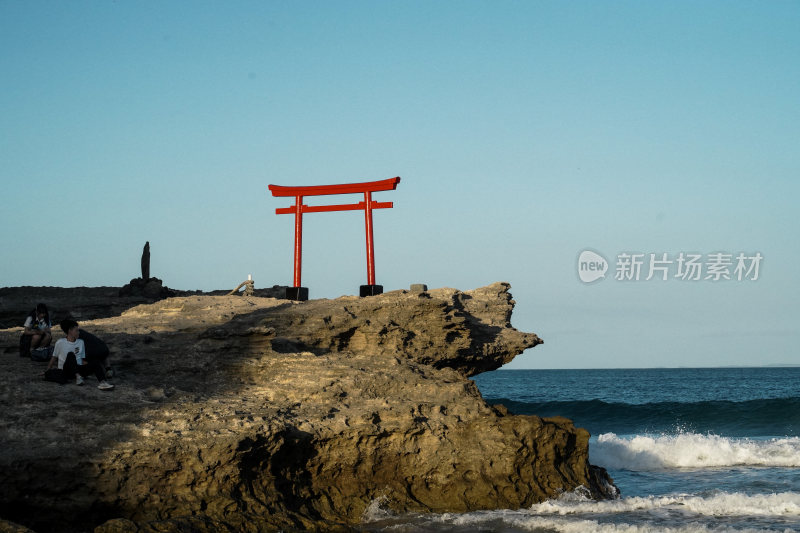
(524,133)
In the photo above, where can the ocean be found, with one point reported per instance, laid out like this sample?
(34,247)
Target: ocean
(690,449)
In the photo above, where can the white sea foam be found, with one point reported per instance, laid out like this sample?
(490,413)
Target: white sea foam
(556,525)
(691,450)
(517,521)
(575,512)
(377,510)
(785,504)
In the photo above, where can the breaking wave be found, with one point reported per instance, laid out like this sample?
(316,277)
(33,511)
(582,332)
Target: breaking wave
(690,450)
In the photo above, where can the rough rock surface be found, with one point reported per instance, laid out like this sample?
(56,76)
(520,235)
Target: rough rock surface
(251,414)
(89,303)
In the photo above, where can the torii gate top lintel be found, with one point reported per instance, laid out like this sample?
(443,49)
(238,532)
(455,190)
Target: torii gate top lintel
(343,188)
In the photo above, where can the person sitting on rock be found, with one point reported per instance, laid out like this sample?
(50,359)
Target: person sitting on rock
(37,330)
(96,351)
(69,356)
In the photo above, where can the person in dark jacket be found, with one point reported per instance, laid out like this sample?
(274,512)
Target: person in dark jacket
(96,351)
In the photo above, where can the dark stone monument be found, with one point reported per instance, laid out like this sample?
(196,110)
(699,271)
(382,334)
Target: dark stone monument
(146,261)
(146,286)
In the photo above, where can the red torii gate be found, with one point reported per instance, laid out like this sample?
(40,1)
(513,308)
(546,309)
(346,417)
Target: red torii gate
(297,292)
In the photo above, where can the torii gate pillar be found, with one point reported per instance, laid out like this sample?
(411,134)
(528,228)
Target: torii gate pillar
(298,292)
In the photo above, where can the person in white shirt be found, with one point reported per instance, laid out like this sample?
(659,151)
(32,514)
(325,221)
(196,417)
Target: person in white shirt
(69,355)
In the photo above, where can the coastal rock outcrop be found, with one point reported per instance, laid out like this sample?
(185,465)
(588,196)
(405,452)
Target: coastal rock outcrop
(248,414)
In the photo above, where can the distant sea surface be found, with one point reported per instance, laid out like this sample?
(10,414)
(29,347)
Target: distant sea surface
(691,450)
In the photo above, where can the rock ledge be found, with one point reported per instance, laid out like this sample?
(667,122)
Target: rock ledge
(249,414)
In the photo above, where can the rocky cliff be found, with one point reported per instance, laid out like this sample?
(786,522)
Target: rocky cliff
(240,413)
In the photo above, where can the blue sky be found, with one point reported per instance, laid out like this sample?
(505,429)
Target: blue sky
(524,133)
